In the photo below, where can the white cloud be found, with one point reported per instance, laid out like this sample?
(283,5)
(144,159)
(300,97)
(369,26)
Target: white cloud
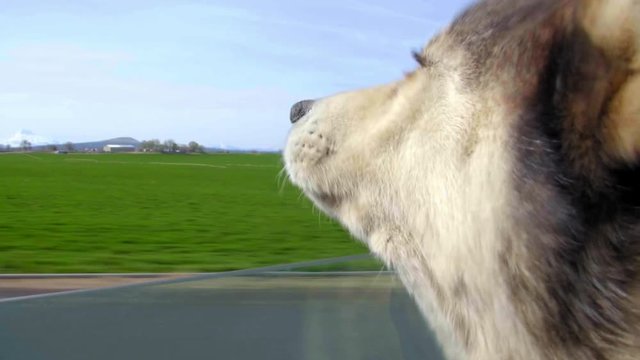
(215,72)
(16,139)
(45,93)
(386,12)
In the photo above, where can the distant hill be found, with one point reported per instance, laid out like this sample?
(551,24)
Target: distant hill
(103,143)
(222,148)
(96,144)
(235,150)
(131,141)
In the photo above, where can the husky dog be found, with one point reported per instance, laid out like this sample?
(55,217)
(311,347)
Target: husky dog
(500,179)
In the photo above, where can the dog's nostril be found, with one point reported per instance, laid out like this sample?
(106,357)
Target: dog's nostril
(300,109)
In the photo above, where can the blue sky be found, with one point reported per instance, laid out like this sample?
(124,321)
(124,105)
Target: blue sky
(214,71)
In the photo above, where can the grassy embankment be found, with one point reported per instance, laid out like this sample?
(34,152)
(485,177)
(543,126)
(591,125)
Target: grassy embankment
(156,213)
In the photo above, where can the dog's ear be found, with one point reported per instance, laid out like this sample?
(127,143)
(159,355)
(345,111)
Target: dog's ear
(601,83)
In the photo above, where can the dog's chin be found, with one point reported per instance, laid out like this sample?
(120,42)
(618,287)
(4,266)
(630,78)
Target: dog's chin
(301,175)
(307,179)
(326,202)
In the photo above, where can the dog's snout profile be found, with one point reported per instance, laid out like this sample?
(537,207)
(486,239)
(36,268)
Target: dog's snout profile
(300,109)
(498,178)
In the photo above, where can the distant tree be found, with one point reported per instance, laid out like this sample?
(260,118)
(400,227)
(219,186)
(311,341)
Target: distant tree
(170,146)
(68,146)
(25,145)
(52,148)
(145,146)
(8,148)
(194,147)
(2,148)
(152,145)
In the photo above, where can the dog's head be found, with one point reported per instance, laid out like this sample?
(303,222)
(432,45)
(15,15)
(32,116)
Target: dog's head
(552,84)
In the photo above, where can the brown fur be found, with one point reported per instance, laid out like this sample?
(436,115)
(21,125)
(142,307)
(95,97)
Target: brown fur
(501,179)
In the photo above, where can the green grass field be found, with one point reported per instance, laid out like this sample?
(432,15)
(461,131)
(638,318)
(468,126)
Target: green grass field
(156,213)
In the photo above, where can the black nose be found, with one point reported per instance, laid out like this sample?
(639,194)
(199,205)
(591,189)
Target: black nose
(300,109)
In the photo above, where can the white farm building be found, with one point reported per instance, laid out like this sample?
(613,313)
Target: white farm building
(119,148)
